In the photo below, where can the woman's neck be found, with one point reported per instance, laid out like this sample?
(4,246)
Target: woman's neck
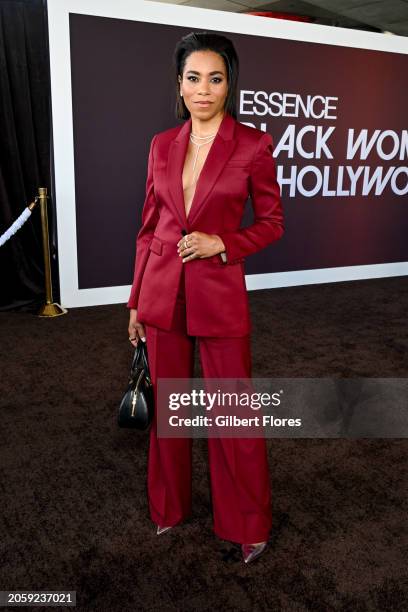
(207,127)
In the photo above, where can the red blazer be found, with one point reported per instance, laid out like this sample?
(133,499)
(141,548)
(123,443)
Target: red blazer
(239,163)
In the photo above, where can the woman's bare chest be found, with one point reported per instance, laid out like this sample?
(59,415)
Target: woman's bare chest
(193,165)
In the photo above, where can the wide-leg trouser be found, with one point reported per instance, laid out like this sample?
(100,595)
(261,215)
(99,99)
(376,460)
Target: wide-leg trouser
(239,471)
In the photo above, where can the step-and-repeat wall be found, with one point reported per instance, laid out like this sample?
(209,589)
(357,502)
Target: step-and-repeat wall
(334,101)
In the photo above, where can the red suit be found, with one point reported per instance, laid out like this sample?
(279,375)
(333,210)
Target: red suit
(205,299)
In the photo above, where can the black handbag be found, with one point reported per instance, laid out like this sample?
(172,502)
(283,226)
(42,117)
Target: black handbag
(136,409)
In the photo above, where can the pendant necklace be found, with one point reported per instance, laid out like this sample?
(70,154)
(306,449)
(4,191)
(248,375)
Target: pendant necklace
(194,139)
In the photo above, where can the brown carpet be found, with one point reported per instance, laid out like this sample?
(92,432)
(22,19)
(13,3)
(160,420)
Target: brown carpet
(74,511)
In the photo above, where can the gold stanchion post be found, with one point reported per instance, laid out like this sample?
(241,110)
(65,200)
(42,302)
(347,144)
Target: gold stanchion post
(50,308)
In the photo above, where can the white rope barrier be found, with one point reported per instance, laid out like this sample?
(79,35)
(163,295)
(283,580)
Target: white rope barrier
(50,308)
(18,223)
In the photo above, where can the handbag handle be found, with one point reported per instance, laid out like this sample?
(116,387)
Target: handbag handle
(140,359)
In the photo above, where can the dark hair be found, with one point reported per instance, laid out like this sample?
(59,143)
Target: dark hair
(207,41)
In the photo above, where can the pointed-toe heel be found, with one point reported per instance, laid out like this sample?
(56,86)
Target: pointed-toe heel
(250,552)
(162,529)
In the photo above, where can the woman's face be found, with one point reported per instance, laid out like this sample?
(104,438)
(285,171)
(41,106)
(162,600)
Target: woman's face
(204,84)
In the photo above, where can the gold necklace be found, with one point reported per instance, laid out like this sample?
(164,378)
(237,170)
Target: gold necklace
(193,139)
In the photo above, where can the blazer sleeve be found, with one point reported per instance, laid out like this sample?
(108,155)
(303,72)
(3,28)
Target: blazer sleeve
(150,217)
(266,202)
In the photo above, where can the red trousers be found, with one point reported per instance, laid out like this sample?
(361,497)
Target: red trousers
(239,471)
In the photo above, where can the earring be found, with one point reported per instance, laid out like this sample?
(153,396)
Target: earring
(181,93)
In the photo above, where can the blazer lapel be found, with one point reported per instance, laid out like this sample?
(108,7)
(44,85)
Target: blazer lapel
(218,155)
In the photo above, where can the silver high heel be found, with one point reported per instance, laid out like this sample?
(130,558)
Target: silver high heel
(250,552)
(162,529)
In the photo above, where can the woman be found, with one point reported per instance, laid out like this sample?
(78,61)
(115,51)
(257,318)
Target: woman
(189,281)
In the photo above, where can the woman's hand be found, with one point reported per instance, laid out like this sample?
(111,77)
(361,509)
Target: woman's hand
(198,245)
(135,329)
